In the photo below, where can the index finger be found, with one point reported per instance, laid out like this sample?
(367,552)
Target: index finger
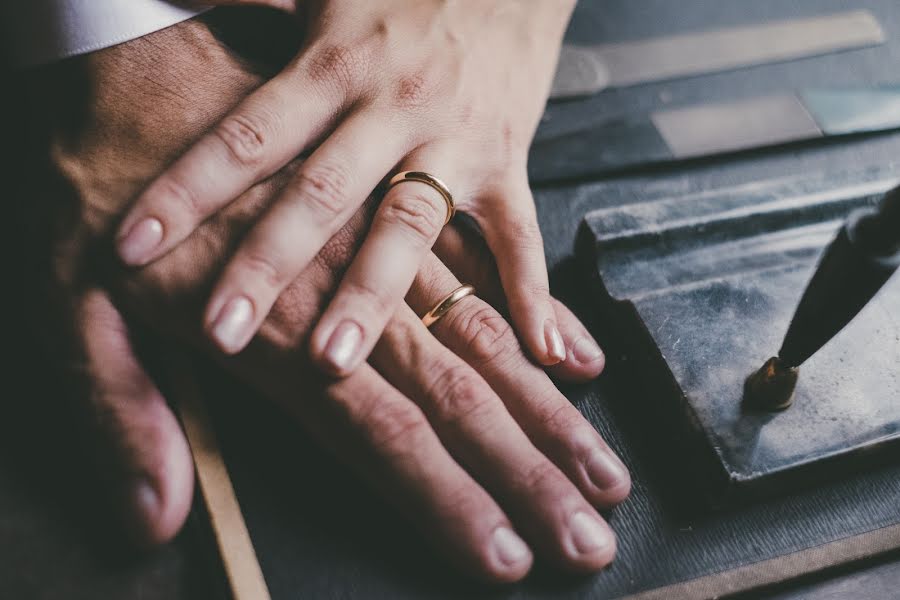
(262,134)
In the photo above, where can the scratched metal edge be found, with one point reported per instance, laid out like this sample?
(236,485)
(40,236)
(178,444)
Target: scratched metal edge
(780,569)
(631,350)
(715,487)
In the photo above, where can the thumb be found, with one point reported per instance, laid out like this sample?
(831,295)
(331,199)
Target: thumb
(139,443)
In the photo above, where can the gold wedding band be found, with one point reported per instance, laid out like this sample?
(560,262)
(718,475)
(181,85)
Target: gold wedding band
(429,180)
(446,304)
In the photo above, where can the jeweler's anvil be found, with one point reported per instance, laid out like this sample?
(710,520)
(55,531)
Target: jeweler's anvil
(697,292)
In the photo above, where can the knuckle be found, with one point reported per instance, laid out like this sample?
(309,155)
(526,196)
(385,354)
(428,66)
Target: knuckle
(243,138)
(263,267)
(412,91)
(563,425)
(323,187)
(543,475)
(416,214)
(488,337)
(468,506)
(470,503)
(559,415)
(364,293)
(394,427)
(171,189)
(338,65)
(459,395)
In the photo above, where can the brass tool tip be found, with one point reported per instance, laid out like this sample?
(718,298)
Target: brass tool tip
(772,386)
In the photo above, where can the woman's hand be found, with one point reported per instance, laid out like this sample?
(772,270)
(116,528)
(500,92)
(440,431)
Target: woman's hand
(454,89)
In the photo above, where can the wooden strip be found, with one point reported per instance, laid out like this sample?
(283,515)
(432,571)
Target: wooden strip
(780,569)
(242,568)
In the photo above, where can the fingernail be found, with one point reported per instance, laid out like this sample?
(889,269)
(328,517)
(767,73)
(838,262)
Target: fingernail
(341,350)
(510,548)
(588,533)
(605,470)
(556,349)
(586,351)
(232,326)
(135,246)
(144,504)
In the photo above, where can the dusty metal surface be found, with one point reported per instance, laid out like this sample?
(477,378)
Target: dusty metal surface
(711,282)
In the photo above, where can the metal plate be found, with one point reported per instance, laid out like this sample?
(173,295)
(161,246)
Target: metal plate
(710,283)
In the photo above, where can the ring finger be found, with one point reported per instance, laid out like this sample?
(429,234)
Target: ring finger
(405,227)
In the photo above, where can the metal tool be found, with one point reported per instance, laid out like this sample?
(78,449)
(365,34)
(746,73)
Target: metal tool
(585,70)
(854,267)
(712,128)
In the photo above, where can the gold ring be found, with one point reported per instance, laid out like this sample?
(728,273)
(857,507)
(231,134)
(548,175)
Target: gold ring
(447,302)
(429,180)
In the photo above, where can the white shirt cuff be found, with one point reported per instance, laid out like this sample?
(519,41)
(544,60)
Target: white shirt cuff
(40,31)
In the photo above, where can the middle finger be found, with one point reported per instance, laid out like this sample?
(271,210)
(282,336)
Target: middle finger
(480,433)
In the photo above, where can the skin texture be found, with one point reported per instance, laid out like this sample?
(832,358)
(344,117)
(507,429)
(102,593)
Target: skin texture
(454,425)
(455,89)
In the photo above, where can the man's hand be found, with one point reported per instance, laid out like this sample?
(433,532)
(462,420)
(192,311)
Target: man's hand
(453,424)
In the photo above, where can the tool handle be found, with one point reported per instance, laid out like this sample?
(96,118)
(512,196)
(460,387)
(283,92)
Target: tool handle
(854,267)
(876,233)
